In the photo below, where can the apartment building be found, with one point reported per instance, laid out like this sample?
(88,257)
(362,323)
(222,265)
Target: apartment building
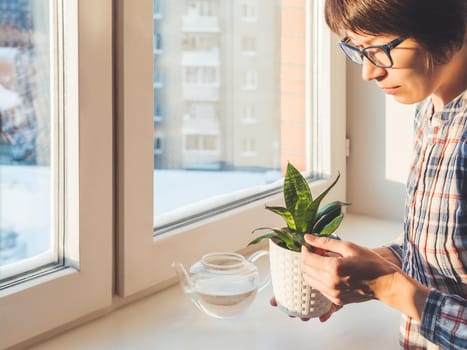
(216,84)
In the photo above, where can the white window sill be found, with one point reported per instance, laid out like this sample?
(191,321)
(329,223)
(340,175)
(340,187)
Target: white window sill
(168,320)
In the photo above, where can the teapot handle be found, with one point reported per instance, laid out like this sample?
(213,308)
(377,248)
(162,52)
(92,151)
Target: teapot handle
(255,256)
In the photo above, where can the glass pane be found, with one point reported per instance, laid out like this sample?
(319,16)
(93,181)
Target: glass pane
(218,123)
(26,230)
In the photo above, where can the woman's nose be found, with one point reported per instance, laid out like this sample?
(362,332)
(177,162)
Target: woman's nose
(371,72)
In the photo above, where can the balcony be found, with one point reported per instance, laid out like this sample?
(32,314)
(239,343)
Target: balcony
(200,24)
(158,79)
(157,44)
(157,9)
(206,160)
(201,58)
(197,92)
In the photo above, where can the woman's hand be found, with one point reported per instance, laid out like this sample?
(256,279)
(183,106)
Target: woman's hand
(326,316)
(349,273)
(352,274)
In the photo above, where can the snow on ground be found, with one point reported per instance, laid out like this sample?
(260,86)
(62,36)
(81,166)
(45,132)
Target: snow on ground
(26,201)
(176,188)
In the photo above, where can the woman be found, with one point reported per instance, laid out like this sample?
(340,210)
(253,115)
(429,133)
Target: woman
(415,51)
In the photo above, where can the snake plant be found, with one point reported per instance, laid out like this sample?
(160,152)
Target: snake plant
(302,213)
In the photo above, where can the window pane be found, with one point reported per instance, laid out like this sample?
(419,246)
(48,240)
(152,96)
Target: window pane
(221,100)
(27,233)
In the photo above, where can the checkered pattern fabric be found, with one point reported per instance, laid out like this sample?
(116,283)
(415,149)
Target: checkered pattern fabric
(433,249)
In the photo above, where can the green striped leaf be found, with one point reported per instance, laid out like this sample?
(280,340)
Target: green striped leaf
(282,235)
(332,226)
(286,215)
(295,188)
(325,215)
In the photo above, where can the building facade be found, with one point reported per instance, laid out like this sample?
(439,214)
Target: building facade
(216,84)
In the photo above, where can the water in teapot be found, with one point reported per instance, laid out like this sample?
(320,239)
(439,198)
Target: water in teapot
(222,284)
(224,298)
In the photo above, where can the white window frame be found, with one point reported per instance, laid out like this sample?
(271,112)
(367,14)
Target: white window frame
(42,304)
(144,261)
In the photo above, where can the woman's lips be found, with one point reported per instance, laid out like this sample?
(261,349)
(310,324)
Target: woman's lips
(390,90)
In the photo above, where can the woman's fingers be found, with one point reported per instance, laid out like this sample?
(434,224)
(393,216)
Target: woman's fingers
(350,277)
(327,315)
(342,248)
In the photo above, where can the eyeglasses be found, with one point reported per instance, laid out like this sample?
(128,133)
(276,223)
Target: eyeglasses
(379,55)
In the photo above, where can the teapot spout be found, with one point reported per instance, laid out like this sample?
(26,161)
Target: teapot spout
(183,277)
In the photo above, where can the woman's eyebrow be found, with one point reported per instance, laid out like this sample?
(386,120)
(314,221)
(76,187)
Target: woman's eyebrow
(352,42)
(364,41)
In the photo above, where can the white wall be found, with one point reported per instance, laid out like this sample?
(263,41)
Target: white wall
(380,132)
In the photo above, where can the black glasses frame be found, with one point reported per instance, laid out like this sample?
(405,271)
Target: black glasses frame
(344,44)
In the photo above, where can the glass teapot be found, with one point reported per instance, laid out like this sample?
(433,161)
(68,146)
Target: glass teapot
(222,284)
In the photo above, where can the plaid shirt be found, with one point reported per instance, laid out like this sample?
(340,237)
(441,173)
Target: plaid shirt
(433,249)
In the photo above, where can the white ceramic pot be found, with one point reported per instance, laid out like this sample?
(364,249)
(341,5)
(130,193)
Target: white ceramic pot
(293,295)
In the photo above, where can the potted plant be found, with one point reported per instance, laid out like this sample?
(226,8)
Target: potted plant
(302,214)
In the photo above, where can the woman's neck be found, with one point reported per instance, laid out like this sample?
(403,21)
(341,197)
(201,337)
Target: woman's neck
(453,80)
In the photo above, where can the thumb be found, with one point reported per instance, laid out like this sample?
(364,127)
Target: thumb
(333,245)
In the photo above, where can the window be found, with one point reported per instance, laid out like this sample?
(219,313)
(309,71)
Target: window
(106,164)
(249,46)
(158,145)
(158,79)
(200,143)
(250,80)
(157,43)
(199,42)
(203,8)
(201,76)
(248,115)
(249,147)
(248,10)
(157,110)
(28,171)
(205,134)
(157,9)
(70,158)
(26,165)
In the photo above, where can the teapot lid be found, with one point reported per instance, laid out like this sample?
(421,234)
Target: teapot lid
(223,263)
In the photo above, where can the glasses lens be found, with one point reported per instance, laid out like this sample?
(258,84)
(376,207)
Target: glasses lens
(352,53)
(378,57)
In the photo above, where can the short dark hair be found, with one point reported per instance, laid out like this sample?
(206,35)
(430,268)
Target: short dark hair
(439,26)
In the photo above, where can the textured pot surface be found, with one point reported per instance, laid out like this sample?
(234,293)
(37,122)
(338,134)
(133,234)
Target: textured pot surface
(292,293)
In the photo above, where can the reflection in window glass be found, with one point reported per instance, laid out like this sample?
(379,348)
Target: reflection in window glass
(26,231)
(209,86)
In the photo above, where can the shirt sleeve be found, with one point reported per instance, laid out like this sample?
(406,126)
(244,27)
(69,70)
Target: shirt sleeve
(396,247)
(444,320)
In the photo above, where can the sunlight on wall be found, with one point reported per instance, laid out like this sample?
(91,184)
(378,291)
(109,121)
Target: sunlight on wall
(399,127)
